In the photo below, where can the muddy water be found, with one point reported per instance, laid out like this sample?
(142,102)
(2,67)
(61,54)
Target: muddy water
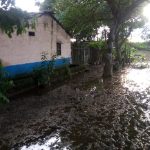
(106,114)
(85,113)
(137,81)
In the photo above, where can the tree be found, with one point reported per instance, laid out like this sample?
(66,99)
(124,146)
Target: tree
(124,32)
(122,11)
(11,18)
(6,3)
(83,18)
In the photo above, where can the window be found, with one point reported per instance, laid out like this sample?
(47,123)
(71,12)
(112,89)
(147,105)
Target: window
(30,33)
(58,48)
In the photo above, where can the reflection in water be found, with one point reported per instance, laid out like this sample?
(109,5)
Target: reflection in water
(54,142)
(137,79)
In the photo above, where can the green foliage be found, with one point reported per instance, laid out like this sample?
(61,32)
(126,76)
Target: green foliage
(5,85)
(42,75)
(139,58)
(130,51)
(141,45)
(101,45)
(81,19)
(60,74)
(98,44)
(47,73)
(13,20)
(67,71)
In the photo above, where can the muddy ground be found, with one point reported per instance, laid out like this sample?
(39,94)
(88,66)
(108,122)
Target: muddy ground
(31,115)
(86,113)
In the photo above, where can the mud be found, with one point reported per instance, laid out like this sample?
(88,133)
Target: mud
(87,113)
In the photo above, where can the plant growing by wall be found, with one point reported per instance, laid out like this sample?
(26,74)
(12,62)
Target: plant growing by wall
(67,70)
(47,73)
(43,74)
(5,85)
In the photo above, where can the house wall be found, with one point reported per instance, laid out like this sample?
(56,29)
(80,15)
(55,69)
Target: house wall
(20,54)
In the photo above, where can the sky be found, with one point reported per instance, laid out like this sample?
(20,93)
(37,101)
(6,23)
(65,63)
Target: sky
(136,35)
(29,5)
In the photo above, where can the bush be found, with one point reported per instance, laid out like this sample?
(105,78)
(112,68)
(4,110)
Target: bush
(47,73)
(42,75)
(141,45)
(5,85)
(129,52)
(98,44)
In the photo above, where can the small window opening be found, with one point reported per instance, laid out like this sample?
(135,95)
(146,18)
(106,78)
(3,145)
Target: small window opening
(58,48)
(30,33)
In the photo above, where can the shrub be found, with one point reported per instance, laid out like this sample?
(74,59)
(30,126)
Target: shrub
(5,85)
(98,44)
(47,73)
(42,75)
(67,71)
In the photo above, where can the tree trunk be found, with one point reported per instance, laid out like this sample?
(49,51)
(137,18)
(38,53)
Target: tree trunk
(118,52)
(108,67)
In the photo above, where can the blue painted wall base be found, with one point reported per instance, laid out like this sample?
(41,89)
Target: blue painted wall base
(29,67)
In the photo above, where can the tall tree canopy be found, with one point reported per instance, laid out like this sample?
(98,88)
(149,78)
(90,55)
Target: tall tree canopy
(11,18)
(122,11)
(83,18)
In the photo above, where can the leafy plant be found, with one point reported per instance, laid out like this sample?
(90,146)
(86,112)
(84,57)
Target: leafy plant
(42,75)
(141,45)
(5,85)
(98,44)
(66,69)
(47,72)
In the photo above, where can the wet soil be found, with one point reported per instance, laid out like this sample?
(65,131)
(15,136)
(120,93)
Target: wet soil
(86,113)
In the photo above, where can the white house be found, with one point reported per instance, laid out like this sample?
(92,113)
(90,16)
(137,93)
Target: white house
(21,54)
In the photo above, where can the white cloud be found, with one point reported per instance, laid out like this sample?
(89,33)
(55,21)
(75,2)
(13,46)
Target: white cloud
(28,5)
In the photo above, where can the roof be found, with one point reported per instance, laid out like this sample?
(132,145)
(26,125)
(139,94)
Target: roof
(51,14)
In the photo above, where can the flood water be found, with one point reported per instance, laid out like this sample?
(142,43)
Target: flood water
(109,114)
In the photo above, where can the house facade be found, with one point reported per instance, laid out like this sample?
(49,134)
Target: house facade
(21,54)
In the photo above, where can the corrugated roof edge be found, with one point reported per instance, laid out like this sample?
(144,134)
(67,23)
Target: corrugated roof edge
(52,15)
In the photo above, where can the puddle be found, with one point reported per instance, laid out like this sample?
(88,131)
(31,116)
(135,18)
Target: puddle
(138,82)
(137,79)
(52,142)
